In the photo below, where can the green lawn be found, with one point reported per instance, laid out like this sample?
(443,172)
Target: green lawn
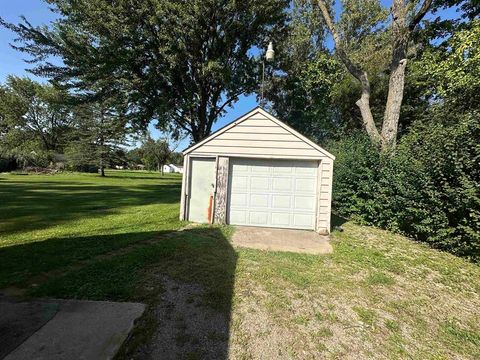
(379,295)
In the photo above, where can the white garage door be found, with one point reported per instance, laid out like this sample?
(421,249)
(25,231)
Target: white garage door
(273,193)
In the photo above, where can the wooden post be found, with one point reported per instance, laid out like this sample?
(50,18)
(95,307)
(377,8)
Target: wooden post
(221,195)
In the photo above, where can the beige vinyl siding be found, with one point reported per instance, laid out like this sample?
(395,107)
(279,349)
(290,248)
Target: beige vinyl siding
(258,135)
(257,129)
(325,195)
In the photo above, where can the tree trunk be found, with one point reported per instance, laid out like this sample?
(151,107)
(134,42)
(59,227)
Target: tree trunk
(401,30)
(102,144)
(396,83)
(364,102)
(393,106)
(364,105)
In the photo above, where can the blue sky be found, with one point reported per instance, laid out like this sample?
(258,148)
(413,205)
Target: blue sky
(37,12)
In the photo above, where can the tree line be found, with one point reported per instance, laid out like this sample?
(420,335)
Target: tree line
(43,126)
(390,87)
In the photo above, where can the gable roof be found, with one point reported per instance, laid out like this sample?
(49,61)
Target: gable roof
(248,115)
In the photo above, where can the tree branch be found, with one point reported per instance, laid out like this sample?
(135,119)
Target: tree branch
(364,102)
(420,14)
(352,68)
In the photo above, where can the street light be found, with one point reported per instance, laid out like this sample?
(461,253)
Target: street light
(269,56)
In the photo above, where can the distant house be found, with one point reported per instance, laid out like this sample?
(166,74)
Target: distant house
(177,168)
(171,168)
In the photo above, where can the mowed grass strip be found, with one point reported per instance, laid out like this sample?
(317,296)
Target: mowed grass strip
(49,222)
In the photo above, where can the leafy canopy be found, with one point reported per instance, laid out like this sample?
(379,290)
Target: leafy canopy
(180,62)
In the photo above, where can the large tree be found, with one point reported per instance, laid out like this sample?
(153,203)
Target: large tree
(34,118)
(100,131)
(405,18)
(180,62)
(156,153)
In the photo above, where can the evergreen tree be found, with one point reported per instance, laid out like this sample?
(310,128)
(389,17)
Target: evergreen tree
(99,134)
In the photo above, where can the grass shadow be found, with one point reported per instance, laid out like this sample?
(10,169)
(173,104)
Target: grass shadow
(186,278)
(336,221)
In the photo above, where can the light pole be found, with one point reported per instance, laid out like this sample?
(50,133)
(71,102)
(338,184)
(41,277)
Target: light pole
(269,56)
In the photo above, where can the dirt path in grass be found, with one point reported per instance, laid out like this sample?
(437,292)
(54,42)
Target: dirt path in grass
(180,326)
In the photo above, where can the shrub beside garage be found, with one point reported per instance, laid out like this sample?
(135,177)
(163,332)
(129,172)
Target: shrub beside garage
(429,188)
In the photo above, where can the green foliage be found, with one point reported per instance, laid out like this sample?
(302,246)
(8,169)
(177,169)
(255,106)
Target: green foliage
(100,131)
(178,62)
(303,97)
(176,158)
(361,20)
(299,82)
(80,156)
(134,157)
(156,153)
(356,175)
(7,164)
(427,189)
(35,121)
(450,72)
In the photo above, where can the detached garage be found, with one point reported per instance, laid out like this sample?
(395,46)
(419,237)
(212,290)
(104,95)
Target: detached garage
(258,171)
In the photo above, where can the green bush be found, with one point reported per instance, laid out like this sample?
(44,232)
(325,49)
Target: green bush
(356,177)
(428,189)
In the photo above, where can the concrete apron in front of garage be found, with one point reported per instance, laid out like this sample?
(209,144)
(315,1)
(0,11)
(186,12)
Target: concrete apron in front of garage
(299,241)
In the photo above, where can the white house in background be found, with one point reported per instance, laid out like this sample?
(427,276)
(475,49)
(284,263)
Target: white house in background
(171,168)
(177,168)
(258,171)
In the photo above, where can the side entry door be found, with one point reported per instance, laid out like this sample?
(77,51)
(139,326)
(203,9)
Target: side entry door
(202,186)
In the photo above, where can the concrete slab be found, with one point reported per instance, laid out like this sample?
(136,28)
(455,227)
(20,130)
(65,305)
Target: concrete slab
(21,319)
(90,330)
(300,241)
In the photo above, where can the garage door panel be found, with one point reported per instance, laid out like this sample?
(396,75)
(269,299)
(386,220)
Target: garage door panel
(281,201)
(240,182)
(283,170)
(258,200)
(305,185)
(281,219)
(302,220)
(240,168)
(261,169)
(238,199)
(238,217)
(258,218)
(309,171)
(282,184)
(259,183)
(275,193)
(304,203)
